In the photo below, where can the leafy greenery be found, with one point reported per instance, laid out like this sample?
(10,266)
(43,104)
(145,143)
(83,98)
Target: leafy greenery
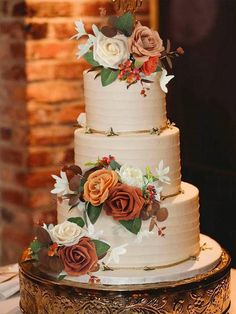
(77,220)
(108,76)
(101,247)
(61,277)
(93,212)
(133,226)
(36,246)
(89,58)
(115,165)
(125,23)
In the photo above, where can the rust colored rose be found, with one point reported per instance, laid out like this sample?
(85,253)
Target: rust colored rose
(80,258)
(124,202)
(145,43)
(96,189)
(150,66)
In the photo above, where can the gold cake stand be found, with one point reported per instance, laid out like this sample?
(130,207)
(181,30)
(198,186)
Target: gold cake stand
(207,293)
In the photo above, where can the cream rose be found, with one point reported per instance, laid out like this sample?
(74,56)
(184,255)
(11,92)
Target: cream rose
(66,233)
(111,52)
(131,176)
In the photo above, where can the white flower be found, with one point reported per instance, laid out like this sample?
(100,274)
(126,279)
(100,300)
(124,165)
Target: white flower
(131,176)
(84,48)
(162,173)
(66,233)
(114,254)
(82,120)
(111,52)
(164,80)
(81,206)
(62,185)
(79,26)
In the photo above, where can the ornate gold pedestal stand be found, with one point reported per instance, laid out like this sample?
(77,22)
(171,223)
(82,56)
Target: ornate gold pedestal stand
(207,293)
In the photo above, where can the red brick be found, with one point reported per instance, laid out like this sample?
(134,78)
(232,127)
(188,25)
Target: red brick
(14,72)
(40,114)
(36,179)
(17,50)
(36,30)
(17,135)
(6,133)
(40,70)
(51,136)
(54,91)
(50,8)
(40,199)
(12,29)
(70,70)
(92,8)
(62,30)
(51,50)
(19,9)
(69,113)
(17,217)
(11,155)
(16,235)
(12,196)
(3,7)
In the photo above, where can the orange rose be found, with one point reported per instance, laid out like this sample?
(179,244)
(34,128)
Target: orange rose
(96,189)
(80,258)
(124,202)
(145,43)
(150,66)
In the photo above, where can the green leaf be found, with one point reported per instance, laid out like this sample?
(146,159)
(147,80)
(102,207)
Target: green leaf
(61,277)
(101,247)
(89,58)
(133,226)
(108,76)
(36,246)
(77,220)
(159,68)
(125,23)
(115,165)
(93,212)
(138,64)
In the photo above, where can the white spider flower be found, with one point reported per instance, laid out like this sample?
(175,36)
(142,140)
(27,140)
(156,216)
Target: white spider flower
(62,185)
(115,253)
(164,80)
(162,173)
(91,232)
(79,26)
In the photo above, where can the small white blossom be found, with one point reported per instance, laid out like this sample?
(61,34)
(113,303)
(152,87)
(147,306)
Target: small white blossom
(162,173)
(95,30)
(84,48)
(164,80)
(82,120)
(114,254)
(91,232)
(62,185)
(81,206)
(79,26)
(131,176)
(158,190)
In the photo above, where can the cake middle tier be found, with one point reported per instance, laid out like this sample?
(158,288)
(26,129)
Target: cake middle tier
(137,150)
(123,109)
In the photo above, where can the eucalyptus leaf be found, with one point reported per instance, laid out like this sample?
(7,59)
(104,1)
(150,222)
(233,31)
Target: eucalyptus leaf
(89,58)
(108,76)
(125,23)
(101,247)
(93,212)
(77,220)
(115,165)
(133,226)
(61,277)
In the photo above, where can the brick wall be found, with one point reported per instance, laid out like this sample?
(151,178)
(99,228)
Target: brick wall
(41,95)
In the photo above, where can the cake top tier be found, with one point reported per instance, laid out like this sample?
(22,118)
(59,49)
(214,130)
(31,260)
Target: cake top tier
(123,49)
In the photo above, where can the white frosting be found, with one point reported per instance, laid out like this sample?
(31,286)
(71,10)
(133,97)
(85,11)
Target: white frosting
(137,150)
(181,235)
(121,108)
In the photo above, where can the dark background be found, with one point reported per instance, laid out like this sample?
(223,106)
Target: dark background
(202,102)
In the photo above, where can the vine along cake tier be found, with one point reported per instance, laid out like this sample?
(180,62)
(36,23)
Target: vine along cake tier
(122,207)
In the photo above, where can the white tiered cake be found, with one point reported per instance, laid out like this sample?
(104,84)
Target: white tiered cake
(137,147)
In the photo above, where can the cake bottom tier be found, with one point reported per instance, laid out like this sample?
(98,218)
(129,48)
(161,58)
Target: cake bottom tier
(149,249)
(208,293)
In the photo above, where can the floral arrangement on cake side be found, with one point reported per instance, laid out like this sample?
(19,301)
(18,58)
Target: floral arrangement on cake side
(126,50)
(122,192)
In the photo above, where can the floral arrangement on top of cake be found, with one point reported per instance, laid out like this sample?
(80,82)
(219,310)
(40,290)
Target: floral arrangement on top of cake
(124,49)
(126,194)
